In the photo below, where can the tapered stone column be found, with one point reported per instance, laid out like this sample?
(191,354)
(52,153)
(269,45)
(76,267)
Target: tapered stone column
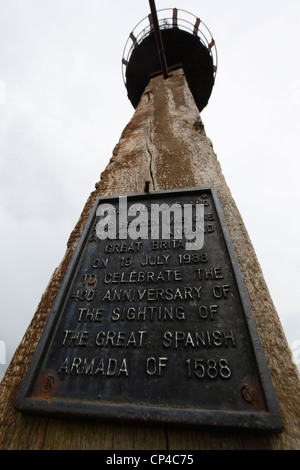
(163,147)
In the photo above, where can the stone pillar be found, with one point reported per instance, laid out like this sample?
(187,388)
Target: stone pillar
(164,147)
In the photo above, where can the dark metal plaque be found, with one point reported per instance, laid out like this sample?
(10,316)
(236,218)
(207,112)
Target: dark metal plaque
(147,330)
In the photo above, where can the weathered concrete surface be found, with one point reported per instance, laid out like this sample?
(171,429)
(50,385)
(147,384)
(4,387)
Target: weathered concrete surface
(165,144)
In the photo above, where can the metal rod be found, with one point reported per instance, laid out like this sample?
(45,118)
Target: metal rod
(175,18)
(159,41)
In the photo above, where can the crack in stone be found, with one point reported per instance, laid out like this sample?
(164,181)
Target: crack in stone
(150,152)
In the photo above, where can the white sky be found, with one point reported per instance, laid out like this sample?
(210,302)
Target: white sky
(63,107)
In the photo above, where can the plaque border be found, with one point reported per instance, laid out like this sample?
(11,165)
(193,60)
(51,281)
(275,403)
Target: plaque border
(270,421)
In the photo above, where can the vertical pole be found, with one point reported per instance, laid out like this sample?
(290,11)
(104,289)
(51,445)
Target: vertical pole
(159,41)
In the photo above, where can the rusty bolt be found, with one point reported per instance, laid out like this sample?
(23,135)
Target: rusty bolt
(248,393)
(48,383)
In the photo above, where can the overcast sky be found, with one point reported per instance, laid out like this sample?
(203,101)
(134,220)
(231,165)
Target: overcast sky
(63,107)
